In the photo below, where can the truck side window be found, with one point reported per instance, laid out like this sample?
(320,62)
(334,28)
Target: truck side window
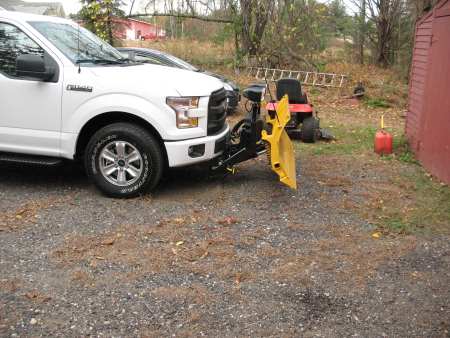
(14,42)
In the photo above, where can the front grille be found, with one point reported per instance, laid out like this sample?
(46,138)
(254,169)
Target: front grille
(216,111)
(233,99)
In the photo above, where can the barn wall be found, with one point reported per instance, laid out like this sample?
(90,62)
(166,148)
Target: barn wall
(428,118)
(419,68)
(434,152)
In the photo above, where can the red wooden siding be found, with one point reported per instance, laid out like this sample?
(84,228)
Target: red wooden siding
(418,76)
(137,30)
(428,118)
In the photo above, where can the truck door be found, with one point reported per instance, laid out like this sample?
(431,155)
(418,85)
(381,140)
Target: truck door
(30,110)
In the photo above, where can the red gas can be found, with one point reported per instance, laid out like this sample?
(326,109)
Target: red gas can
(383,143)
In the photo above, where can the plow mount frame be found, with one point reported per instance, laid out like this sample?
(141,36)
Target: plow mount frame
(245,140)
(252,137)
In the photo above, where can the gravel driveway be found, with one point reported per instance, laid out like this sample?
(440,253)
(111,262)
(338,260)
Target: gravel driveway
(234,256)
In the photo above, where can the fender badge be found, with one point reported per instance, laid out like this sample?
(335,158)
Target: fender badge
(78,88)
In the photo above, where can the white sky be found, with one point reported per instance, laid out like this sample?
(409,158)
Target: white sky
(73,6)
(70,6)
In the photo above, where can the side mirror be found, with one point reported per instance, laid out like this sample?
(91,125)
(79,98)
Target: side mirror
(33,66)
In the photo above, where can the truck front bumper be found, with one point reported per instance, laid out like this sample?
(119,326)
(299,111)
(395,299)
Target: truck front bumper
(202,149)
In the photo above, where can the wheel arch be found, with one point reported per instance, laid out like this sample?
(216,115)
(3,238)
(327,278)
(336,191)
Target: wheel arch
(105,119)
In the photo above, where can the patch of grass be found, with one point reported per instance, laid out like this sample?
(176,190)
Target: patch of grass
(423,207)
(399,226)
(407,157)
(377,103)
(349,140)
(402,150)
(405,199)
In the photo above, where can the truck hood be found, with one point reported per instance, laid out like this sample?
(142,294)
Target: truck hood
(185,83)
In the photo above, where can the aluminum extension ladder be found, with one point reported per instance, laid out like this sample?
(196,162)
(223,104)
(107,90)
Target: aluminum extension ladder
(306,78)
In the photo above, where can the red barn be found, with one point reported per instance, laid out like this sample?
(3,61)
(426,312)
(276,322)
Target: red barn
(428,117)
(132,29)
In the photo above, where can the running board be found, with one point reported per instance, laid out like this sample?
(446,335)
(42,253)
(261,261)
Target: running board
(30,159)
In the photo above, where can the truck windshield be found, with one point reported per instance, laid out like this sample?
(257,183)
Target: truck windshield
(78,44)
(183,64)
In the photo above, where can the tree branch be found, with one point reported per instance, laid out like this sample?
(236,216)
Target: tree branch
(179,15)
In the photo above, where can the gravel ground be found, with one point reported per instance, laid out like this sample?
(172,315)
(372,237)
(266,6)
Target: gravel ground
(234,256)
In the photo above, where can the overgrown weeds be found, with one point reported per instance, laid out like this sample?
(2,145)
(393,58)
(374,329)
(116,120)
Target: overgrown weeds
(203,54)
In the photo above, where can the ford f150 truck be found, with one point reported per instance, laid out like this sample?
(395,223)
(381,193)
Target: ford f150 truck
(66,94)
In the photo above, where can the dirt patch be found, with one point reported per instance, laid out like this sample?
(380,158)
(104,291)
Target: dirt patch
(10,285)
(172,244)
(27,213)
(194,294)
(351,258)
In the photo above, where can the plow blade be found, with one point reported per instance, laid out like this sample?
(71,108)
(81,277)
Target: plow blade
(281,150)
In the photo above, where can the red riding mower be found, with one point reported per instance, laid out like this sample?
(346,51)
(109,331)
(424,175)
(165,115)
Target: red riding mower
(302,112)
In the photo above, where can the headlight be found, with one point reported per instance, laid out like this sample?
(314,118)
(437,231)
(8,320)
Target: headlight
(182,106)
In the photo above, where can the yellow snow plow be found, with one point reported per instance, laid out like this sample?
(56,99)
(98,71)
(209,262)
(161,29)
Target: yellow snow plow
(252,137)
(280,149)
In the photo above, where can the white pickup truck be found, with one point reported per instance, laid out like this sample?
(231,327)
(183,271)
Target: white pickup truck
(66,94)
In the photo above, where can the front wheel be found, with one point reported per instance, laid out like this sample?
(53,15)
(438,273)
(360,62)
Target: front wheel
(124,160)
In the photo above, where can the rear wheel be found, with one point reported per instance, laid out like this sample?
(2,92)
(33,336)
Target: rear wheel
(310,129)
(124,160)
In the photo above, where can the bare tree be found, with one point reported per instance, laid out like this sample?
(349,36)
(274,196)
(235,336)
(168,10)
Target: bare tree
(249,17)
(362,31)
(385,14)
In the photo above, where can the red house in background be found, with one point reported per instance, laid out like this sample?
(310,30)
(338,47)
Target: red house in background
(428,116)
(132,29)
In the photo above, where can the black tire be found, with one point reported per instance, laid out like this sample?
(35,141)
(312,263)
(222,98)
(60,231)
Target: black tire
(236,130)
(294,134)
(310,129)
(151,161)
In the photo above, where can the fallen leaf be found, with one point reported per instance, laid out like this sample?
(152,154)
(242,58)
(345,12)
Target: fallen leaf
(32,294)
(109,241)
(100,258)
(228,221)
(179,243)
(178,220)
(36,296)
(376,235)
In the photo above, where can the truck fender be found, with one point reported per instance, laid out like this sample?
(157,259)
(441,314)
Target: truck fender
(130,104)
